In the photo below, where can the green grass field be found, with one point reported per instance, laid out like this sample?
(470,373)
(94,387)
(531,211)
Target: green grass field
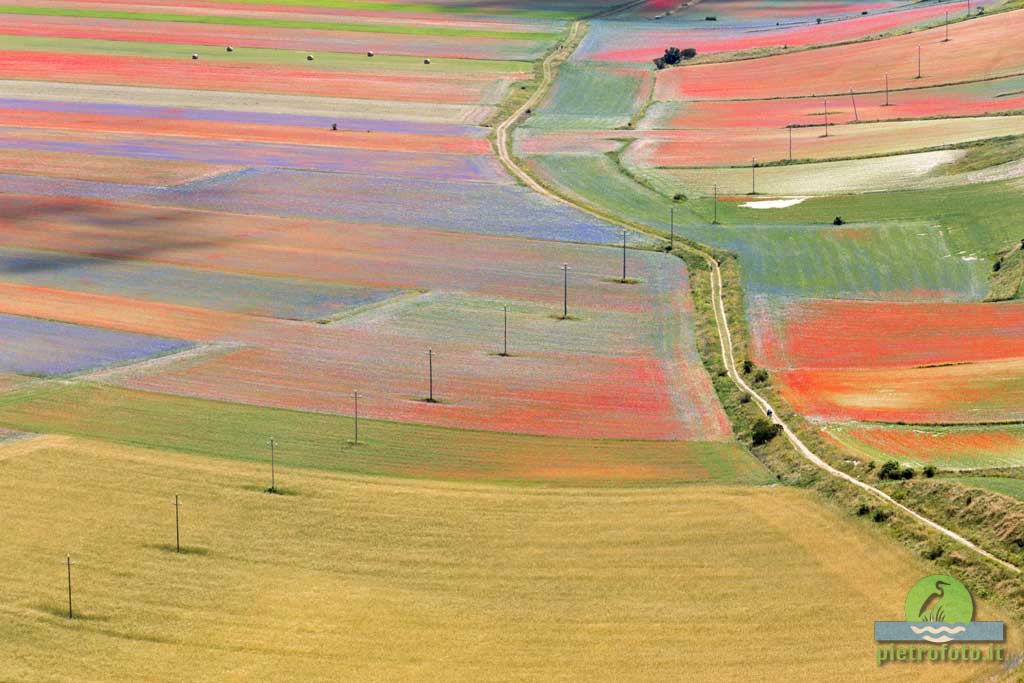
(323,442)
(1007,486)
(239,20)
(350,578)
(586,97)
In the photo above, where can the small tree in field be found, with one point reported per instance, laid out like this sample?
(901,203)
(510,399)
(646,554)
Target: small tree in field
(689,53)
(673,55)
(764,431)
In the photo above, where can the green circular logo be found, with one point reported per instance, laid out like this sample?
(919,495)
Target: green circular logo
(939,598)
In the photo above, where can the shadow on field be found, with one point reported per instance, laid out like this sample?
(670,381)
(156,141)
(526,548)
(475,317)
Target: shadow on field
(185,549)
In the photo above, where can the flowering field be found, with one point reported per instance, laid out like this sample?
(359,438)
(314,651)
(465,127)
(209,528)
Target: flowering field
(754,25)
(836,334)
(953,447)
(993,53)
(982,392)
(29,346)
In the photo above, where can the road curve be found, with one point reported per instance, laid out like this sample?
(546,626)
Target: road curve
(717,304)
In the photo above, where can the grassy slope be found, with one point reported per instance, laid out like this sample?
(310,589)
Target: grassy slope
(403,29)
(1007,486)
(352,579)
(322,442)
(1008,282)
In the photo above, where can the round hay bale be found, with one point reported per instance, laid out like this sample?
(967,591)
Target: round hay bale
(369,53)
(426,61)
(195,56)
(309,58)
(230,49)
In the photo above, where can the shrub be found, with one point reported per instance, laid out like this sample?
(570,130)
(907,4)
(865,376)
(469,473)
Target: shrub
(659,63)
(890,470)
(908,473)
(748,365)
(764,431)
(678,197)
(689,53)
(929,471)
(744,397)
(935,552)
(761,376)
(838,221)
(863,510)
(673,55)
(880,516)
(997,265)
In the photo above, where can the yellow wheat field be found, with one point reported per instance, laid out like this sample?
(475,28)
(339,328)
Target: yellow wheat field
(352,578)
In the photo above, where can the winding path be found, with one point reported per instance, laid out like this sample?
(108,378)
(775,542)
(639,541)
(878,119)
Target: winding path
(717,303)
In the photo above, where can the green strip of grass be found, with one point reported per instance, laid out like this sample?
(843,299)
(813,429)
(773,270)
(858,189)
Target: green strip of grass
(333,61)
(318,441)
(422,8)
(404,29)
(1004,485)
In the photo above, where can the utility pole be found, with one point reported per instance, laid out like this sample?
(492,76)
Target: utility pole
(177,524)
(946,39)
(430,373)
(504,350)
(273,477)
(624,233)
(826,118)
(753,175)
(886,90)
(71,614)
(671,228)
(355,415)
(565,291)
(919,61)
(853,98)
(790,142)
(715,221)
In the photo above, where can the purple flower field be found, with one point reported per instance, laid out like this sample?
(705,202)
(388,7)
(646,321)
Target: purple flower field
(346,160)
(452,206)
(30,346)
(263,296)
(243,117)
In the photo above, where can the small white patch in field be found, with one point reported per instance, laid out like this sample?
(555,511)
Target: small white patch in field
(968,258)
(774,203)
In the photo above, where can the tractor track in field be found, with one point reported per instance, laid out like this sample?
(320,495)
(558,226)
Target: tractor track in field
(717,303)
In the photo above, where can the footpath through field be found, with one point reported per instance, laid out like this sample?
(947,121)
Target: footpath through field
(717,302)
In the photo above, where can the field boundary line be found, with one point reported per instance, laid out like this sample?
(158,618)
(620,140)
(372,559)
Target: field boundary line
(721,320)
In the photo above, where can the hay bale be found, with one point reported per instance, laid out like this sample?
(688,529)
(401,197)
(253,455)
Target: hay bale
(230,49)
(369,53)
(195,56)
(309,58)
(426,61)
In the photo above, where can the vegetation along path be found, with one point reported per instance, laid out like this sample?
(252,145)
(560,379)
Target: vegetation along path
(502,136)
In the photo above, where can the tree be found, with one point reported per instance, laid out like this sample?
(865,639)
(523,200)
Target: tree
(764,431)
(689,53)
(673,55)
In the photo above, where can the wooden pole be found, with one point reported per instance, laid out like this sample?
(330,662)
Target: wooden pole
(791,143)
(716,205)
(886,90)
(177,525)
(504,350)
(565,291)
(71,614)
(753,175)
(355,415)
(671,228)
(826,118)
(430,371)
(624,233)
(853,98)
(919,61)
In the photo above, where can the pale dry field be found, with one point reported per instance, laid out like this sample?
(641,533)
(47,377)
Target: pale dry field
(351,578)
